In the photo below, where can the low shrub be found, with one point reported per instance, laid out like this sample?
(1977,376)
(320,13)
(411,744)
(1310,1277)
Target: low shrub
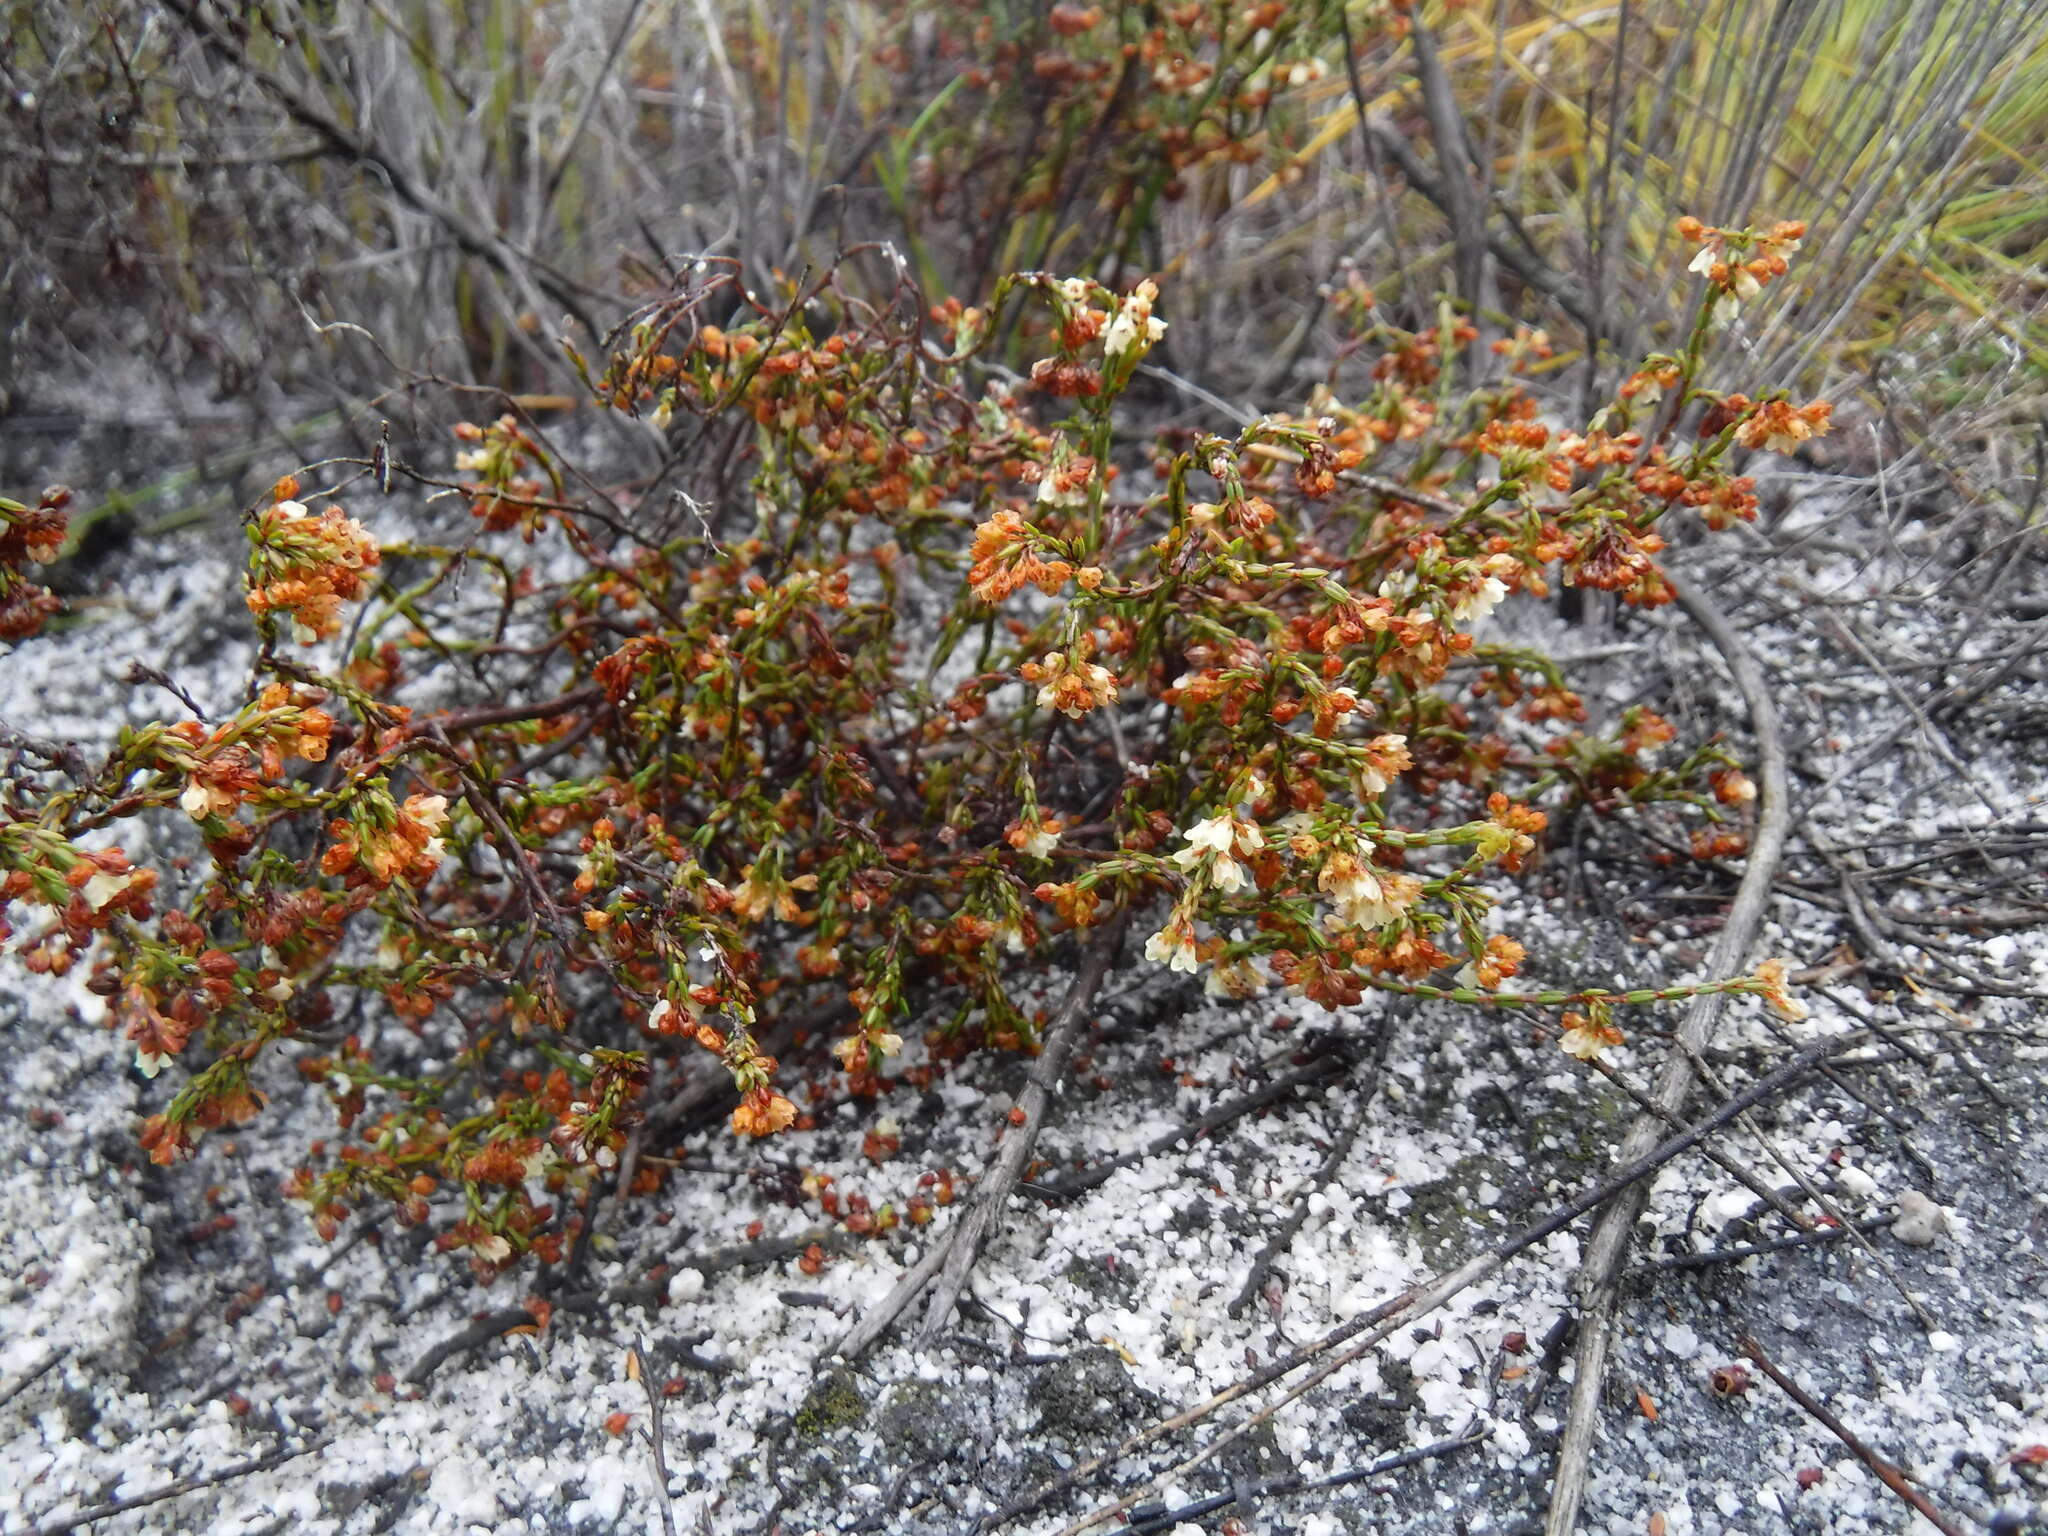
(900,669)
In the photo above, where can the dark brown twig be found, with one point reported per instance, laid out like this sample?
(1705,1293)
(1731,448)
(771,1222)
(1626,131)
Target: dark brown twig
(1206,1124)
(649,1294)
(507,714)
(1360,1097)
(59,754)
(1154,1520)
(1417,1300)
(1887,1473)
(495,1325)
(942,1272)
(179,1489)
(1549,1361)
(31,1376)
(1714,1256)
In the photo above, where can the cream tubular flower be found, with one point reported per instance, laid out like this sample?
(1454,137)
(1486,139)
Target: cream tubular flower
(1134,327)
(1586,1038)
(1174,946)
(1366,897)
(1776,993)
(1211,844)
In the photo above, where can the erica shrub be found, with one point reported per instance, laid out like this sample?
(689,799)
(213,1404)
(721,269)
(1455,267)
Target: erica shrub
(912,656)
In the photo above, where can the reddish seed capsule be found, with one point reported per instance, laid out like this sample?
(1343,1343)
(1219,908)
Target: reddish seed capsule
(1809,1477)
(1728,1380)
(1515,1343)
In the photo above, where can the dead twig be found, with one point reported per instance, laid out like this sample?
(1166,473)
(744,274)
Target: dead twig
(1738,1171)
(32,1375)
(1156,1520)
(1462,200)
(943,1270)
(1549,1361)
(649,1294)
(1340,1149)
(179,1489)
(495,1325)
(1522,261)
(58,754)
(1308,1074)
(1834,1212)
(636,1369)
(768,1250)
(1416,1301)
(1887,1474)
(1599,1274)
(519,268)
(1713,1256)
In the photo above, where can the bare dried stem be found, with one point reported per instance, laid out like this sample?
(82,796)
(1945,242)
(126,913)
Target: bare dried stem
(1886,1473)
(1416,1301)
(943,1271)
(1599,1274)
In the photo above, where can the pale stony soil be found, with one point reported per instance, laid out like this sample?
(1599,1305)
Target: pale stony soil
(145,1340)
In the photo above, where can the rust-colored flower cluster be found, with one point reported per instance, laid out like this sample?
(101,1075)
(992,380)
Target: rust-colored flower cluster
(29,534)
(305,565)
(885,684)
(381,841)
(1738,263)
(86,890)
(495,462)
(1006,558)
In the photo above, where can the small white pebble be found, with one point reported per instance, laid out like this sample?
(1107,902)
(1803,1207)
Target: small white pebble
(1855,1182)
(1920,1221)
